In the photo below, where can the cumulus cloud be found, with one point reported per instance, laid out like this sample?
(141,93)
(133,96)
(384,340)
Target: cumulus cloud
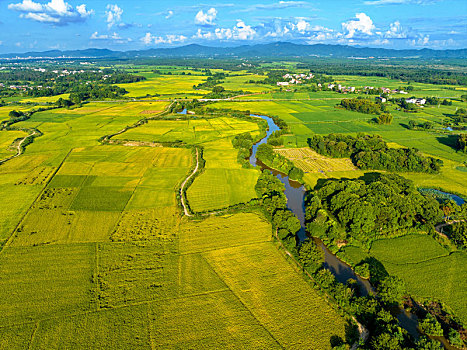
(113,15)
(149,39)
(114,37)
(57,12)
(240,31)
(362,24)
(170,13)
(396,31)
(206,18)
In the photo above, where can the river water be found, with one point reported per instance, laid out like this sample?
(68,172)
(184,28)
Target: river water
(295,193)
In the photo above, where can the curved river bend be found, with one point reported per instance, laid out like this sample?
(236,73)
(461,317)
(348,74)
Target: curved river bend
(295,193)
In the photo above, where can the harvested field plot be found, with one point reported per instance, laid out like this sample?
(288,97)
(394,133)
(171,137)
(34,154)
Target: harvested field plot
(311,162)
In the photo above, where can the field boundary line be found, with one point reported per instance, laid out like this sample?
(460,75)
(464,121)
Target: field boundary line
(10,239)
(224,248)
(109,309)
(98,289)
(244,305)
(151,340)
(33,335)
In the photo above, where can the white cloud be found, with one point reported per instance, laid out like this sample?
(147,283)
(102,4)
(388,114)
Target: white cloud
(240,31)
(56,12)
(168,39)
(243,32)
(114,15)
(170,13)
(302,25)
(26,6)
(396,31)
(362,24)
(110,37)
(206,18)
(206,35)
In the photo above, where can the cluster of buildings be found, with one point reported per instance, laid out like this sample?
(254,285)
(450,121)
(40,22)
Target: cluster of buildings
(294,79)
(386,90)
(417,101)
(341,88)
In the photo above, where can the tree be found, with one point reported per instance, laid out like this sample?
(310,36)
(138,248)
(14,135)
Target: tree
(431,326)
(15,114)
(391,290)
(385,118)
(455,338)
(218,89)
(310,255)
(425,343)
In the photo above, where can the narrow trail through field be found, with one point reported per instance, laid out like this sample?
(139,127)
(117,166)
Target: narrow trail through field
(182,187)
(19,149)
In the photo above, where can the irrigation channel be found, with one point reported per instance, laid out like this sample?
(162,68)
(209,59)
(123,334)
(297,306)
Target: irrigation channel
(295,193)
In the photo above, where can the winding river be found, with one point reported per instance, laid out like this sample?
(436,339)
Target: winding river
(295,193)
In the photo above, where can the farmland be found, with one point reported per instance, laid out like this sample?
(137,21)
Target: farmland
(96,251)
(428,269)
(115,263)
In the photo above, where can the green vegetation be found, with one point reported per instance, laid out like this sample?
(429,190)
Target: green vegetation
(362,211)
(96,251)
(371,152)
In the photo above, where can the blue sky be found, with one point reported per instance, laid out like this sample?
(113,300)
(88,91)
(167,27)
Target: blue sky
(36,25)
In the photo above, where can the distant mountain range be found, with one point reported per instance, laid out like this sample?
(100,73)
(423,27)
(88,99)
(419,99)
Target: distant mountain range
(278,49)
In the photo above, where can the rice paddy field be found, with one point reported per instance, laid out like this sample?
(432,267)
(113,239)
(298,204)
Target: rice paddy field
(428,269)
(321,116)
(96,252)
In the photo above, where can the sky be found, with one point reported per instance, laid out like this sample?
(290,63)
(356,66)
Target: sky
(36,25)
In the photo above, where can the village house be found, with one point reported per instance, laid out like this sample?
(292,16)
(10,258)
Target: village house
(380,99)
(418,101)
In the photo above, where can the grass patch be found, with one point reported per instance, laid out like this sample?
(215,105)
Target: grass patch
(101,199)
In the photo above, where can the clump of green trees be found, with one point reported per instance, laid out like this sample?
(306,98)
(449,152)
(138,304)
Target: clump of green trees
(384,119)
(243,142)
(371,152)
(362,105)
(365,210)
(462,142)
